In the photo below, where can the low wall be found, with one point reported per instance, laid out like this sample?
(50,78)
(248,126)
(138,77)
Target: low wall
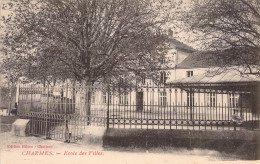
(6,123)
(21,127)
(242,143)
(5,128)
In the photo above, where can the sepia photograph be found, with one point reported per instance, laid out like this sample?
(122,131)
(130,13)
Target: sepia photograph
(129,81)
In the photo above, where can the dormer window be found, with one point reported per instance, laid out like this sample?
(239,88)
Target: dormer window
(163,60)
(189,73)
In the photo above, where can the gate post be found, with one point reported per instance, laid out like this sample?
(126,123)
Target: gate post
(108,103)
(191,104)
(67,133)
(46,114)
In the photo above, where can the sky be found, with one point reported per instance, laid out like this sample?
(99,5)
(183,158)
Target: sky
(182,36)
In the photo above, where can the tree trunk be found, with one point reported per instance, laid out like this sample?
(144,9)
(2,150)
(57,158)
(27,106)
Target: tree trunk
(89,90)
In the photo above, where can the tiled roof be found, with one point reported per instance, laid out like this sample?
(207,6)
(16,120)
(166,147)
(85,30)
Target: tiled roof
(200,59)
(181,45)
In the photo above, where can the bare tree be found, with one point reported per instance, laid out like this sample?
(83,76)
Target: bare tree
(230,29)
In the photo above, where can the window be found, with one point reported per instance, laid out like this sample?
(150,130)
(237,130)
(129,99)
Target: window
(104,97)
(189,73)
(93,97)
(143,78)
(110,97)
(152,98)
(163,99)
(163,77)
(211,97)
(163,60)
(233,100)
(123,98)
(140,61)
(190,99)
(122,78)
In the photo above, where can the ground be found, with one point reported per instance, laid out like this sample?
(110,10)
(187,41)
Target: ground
(21,150)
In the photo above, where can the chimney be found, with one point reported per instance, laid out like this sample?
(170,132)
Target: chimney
(170,32)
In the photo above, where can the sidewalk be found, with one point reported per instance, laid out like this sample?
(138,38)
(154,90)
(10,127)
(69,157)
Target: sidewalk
(38,150)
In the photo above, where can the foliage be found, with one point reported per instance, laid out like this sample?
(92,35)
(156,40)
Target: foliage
(229,28)
(85,40)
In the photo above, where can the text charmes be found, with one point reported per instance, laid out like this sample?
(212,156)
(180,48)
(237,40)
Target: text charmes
(48,153)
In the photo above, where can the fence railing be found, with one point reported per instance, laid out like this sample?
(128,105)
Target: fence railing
(146,107)
(68,127)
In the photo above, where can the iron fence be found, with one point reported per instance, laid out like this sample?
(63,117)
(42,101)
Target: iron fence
(62,112)
(64,127)
(168,107)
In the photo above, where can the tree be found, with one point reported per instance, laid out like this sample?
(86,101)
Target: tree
(84,39)
(230,29)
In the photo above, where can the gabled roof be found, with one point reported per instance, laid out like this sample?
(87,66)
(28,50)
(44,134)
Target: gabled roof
(218,58)
(200,59)
(224,80)
(181,45)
